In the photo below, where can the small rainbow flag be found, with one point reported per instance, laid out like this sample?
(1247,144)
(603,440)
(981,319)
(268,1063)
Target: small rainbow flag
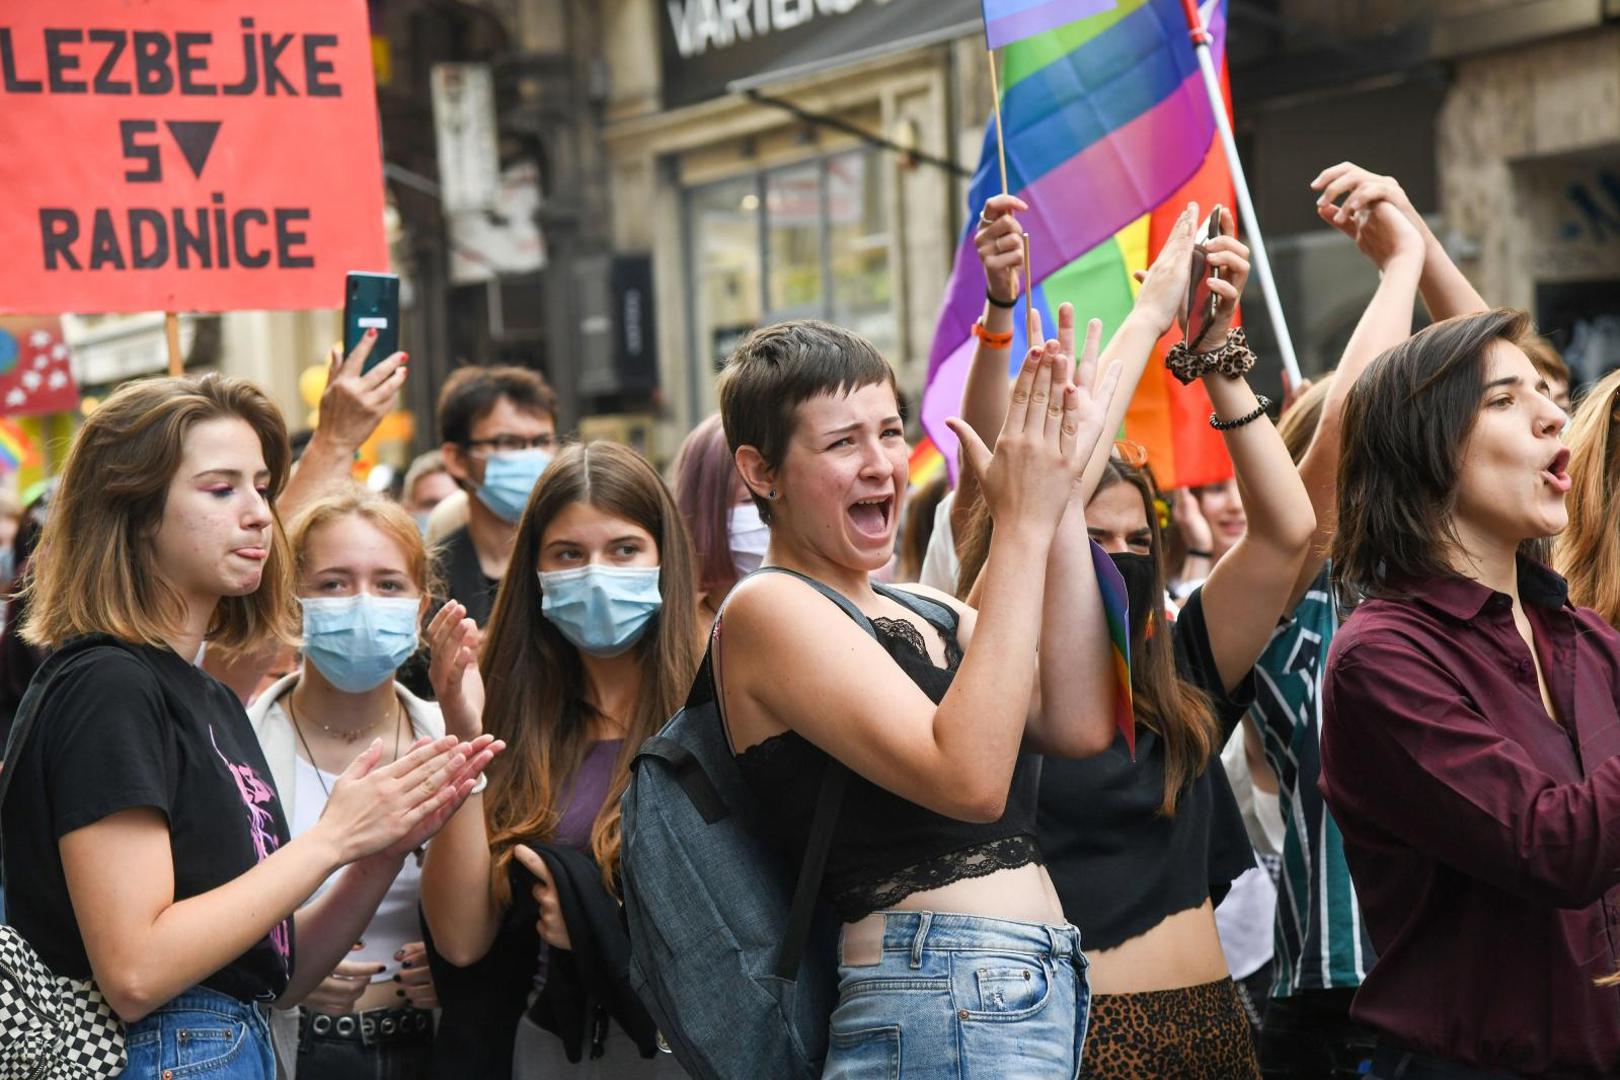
(927,463)
(15,448)
(1117,606)
(1007,21)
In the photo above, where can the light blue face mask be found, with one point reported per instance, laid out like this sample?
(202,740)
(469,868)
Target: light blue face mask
(603,610)
(509,476)
(358,642)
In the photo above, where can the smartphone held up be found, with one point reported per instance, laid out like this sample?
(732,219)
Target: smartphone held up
(1202,303)
(371,302)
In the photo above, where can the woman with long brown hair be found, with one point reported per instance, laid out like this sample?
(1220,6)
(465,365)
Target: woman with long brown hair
(1141,847)
(146,851)
(591,646)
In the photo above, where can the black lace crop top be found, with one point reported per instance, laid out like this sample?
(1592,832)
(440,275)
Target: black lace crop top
(884,847)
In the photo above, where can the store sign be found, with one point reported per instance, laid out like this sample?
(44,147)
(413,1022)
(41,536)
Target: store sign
(186,155)
(710,44)
(464,130)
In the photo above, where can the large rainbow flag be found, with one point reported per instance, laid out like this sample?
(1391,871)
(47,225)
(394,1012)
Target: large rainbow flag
(1108,133)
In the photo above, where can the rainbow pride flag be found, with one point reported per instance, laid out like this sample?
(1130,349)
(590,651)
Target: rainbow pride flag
(1007,21)
(15,448)
(1108,133)
(926,463)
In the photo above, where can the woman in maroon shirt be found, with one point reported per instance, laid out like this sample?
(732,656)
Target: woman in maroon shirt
(1470,738)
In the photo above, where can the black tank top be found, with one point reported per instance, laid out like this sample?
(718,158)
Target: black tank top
(884,847)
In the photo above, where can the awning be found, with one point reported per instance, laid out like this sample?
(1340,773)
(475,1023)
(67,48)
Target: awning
(845,44)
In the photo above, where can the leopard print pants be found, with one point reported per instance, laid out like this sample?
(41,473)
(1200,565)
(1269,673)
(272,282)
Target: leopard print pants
(1199,1033)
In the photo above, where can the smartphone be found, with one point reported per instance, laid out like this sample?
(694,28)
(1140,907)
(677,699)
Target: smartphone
(1202,303)
(371,302)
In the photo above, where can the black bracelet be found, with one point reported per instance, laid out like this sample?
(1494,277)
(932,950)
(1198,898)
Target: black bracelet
(1006,305)
(1191,554)
(1218,424)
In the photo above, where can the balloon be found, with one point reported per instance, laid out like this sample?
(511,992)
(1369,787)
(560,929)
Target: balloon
(312,384)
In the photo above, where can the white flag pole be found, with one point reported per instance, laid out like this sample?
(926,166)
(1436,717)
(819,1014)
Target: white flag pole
(1251,221)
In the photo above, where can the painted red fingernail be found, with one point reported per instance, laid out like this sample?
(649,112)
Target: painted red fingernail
(371,333)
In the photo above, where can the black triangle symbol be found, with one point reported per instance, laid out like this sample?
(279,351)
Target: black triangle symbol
(195,139)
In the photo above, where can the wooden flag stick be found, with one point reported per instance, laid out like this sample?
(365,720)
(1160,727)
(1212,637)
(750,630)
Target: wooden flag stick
(1001,158)
(995,103)
(171,330)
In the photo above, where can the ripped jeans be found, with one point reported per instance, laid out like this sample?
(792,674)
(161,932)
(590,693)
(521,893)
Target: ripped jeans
(956,996)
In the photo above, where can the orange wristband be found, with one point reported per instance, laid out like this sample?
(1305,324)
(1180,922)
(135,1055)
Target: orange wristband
(992,339)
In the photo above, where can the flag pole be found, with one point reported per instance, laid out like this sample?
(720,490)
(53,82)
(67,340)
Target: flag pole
(1001,158)
(1251,221)
(171,330)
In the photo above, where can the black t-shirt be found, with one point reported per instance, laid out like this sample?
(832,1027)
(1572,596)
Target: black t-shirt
(465,578)
(136,726)
(1120,866)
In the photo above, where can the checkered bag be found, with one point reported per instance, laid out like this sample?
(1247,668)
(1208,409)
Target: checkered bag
(51,1027)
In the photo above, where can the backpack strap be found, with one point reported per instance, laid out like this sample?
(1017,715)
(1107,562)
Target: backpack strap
(28,709)
(829,800)
(940,616)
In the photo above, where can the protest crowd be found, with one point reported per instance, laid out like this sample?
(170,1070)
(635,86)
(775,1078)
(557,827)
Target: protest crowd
(548,762)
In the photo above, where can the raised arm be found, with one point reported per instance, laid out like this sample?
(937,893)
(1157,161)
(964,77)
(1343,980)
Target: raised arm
(789,655)
(1248,589)
(1073,714)
(457,896)
(1446,292)
(999,242)
(352,406)
(1388,238)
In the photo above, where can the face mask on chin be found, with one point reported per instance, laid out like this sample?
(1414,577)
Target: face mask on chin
(748,536)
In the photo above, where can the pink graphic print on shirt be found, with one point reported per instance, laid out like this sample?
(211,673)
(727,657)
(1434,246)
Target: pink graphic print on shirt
(256,795)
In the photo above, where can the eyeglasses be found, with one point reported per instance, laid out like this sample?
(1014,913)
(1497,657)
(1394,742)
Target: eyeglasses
(504,444)
(1131,453)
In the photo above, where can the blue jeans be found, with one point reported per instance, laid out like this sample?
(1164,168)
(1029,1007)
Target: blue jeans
(958,996)
(201,1035)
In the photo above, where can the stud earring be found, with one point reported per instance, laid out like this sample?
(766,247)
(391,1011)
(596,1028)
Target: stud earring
(772,495)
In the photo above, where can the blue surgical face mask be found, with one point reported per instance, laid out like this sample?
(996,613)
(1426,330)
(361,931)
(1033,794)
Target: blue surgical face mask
(603,610)
(358,642)
(421,518)
(748,536)
(509,476)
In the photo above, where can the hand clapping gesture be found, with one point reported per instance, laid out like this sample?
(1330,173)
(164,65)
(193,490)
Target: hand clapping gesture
(1051,427)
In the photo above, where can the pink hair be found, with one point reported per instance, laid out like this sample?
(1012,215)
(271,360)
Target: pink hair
(706,485)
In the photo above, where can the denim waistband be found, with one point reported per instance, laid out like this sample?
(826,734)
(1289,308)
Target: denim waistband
(200,998)
(914,931)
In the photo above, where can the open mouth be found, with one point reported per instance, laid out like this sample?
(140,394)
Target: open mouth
(871,516)
(1557,473)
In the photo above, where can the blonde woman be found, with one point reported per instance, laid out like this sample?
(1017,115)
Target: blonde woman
(363,578)
(1587,552)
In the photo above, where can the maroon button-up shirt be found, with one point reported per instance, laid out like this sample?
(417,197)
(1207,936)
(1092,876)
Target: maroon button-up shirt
(1483,836)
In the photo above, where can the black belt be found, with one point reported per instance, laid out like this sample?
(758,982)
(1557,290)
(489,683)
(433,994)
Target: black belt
(374,1027)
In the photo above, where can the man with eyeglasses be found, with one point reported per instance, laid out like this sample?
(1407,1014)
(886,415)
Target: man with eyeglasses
(499,426)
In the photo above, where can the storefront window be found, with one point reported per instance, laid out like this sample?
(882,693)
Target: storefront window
(723,226)
(807,241)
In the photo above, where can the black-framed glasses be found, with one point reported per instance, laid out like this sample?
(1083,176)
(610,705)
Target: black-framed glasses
(503,444)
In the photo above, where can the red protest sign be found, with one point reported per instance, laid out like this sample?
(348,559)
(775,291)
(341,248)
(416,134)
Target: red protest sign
(186,154)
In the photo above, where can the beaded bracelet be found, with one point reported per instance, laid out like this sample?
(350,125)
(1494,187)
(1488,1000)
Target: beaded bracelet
(1259,410)
(1232,359)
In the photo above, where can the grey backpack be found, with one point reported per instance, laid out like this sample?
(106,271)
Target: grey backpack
(730,950)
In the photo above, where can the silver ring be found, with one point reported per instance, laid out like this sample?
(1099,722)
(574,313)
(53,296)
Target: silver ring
(986,220)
